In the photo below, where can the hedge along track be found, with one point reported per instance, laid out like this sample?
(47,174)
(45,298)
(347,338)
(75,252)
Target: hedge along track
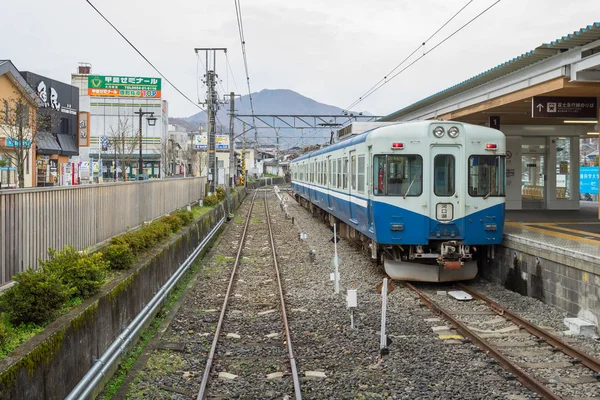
(247,347)
(520,370)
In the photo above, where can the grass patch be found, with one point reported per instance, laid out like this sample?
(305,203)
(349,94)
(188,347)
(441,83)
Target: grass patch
(238,219)
(129,360)
(221,259)
(17,335)
(255,220)
(164,362)
(199,211)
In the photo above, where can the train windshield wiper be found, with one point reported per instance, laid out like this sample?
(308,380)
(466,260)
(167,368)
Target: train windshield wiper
(489,193)
(409,186)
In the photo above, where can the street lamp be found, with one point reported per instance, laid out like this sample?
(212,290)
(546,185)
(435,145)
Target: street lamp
(151,122)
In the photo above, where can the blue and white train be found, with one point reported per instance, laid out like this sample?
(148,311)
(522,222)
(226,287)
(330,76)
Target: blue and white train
(424,197)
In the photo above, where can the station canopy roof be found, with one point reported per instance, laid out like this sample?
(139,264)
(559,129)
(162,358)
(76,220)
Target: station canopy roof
(582,37)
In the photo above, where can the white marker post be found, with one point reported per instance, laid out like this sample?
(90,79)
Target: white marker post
(383,340)
(352,300)
(336,262)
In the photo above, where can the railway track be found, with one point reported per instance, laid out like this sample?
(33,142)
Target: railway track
(518,346)
(252,333)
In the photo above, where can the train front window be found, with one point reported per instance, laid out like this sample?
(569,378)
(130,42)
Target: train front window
(444,175)
(395,175)
(487,176)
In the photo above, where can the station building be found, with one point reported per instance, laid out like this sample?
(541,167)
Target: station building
(546,102)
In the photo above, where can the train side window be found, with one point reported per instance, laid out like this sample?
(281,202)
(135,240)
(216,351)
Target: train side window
(353,172)
(444,175)
(361,174)
(328,174)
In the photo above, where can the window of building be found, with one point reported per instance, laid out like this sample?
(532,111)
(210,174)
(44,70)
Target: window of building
(397,175)
(444,175)
(361,174)
(486,176)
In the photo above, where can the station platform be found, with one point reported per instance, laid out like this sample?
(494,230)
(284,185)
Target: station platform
(573,233)
(553,256)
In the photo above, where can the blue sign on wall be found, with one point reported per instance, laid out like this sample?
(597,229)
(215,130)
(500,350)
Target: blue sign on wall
(588,180)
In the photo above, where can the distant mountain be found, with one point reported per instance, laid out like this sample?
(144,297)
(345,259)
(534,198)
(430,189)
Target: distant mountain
(277,101)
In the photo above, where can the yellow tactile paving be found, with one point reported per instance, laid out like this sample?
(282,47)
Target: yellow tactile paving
(553,233)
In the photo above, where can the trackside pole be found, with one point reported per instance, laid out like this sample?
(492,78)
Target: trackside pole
(383,340)
(336,261)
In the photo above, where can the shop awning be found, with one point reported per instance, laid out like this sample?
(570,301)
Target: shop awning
(68,144)
(47,144)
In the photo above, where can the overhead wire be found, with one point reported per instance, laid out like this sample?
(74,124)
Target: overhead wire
(240,23)
(145,58)
(388,79)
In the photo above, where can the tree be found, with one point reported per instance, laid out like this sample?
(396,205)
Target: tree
(20,132)
(123,141)
(166,155)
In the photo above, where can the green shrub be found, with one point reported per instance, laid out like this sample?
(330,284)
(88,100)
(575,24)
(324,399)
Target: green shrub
(157,231)
(119,256)
(4,334)
(133,239)
(221,193)
(83,273)
(210,200)
(187,217)
(36,297)
(174,221)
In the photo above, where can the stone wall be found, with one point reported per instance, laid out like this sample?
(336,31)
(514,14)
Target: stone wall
(49,365)
(568,281)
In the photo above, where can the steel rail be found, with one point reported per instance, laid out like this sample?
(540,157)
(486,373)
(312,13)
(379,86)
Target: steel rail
(213,348)
(103,366)
(283,312)
(587,360)
(526,379)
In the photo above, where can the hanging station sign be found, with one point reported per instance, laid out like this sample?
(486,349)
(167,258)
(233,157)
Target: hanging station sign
(564,107)
(124,86)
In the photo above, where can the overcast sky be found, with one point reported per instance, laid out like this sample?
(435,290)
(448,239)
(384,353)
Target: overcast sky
(329,50)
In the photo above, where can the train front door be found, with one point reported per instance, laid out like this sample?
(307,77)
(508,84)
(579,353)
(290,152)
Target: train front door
(446,202)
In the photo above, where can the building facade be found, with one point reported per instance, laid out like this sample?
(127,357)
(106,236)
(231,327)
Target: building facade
(17,128)
(114,127)
(56,138)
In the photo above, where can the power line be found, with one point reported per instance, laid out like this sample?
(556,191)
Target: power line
(231,71)
(388,79)
(238,12)
(144,57)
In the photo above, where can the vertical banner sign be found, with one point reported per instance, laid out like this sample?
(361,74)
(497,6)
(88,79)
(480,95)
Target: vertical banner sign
(495,122)
(84,129)
(588,180)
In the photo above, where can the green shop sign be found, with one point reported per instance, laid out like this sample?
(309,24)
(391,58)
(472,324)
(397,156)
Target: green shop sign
(124,86)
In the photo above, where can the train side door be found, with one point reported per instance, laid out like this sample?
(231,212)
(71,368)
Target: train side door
(352,186)
(329,178)
(369,189)
(446,198)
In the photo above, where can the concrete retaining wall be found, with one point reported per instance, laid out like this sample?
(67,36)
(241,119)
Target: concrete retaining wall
(564,280)
(49,365)
(265,182)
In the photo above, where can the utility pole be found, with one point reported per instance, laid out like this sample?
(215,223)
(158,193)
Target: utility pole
(277,152)
(212,106)
(231,175)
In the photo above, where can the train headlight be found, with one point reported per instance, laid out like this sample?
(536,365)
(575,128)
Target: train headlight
(453,132)
(438,132)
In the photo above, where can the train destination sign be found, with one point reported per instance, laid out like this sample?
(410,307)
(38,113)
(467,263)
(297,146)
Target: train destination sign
(564,107)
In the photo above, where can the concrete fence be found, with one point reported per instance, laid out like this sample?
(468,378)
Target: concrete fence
(33,220)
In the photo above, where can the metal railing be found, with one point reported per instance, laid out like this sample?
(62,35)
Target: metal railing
(33,220)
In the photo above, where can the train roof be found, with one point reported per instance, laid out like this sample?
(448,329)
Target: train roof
(383,130)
